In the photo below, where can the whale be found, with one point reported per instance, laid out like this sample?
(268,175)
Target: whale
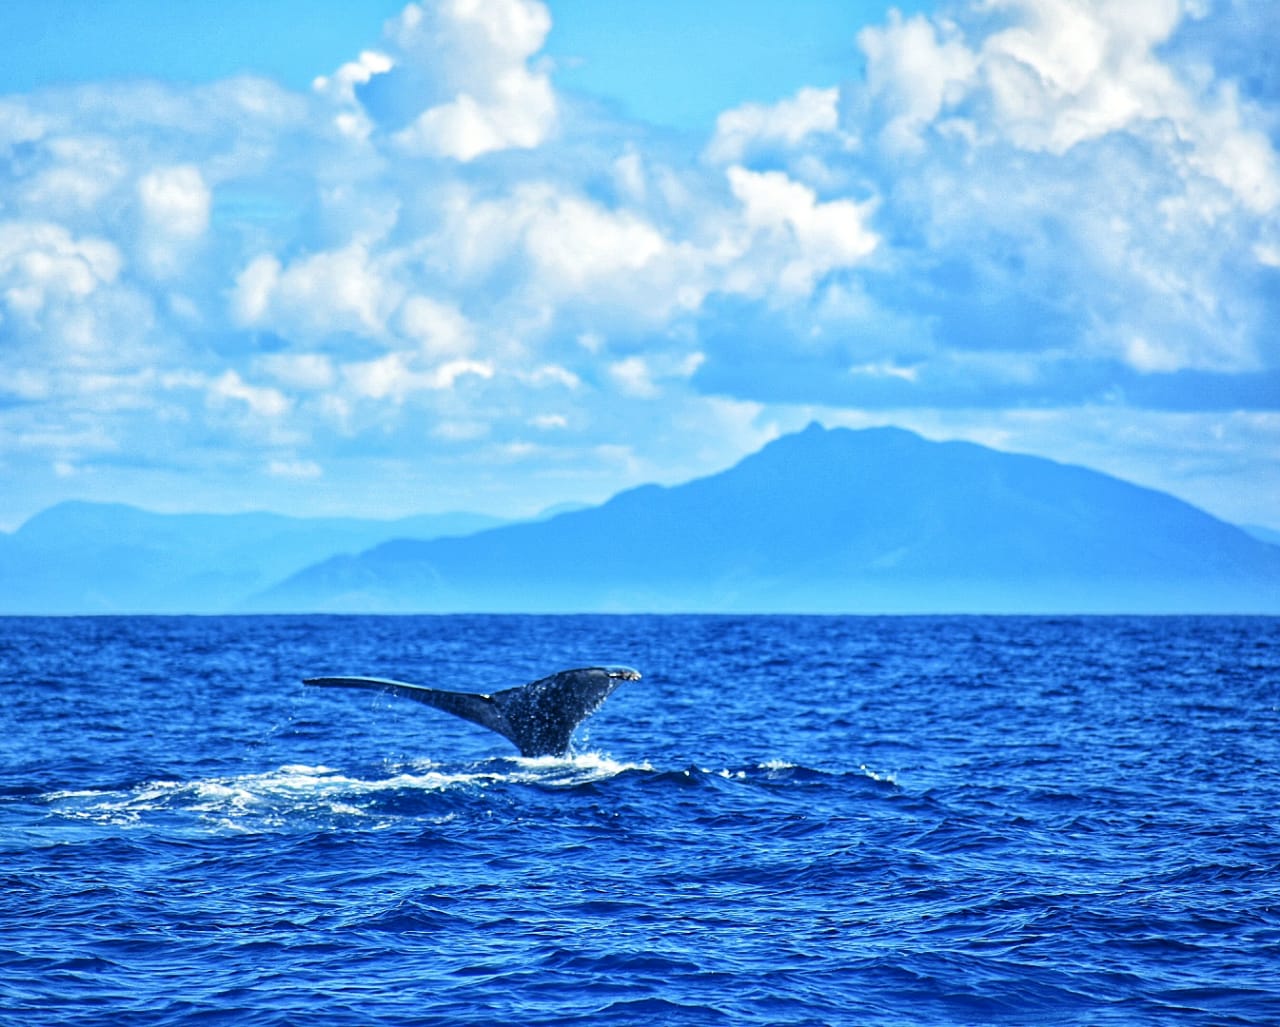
(539,717)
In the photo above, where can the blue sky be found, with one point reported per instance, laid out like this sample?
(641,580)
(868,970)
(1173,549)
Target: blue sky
(672,64)
(389,258)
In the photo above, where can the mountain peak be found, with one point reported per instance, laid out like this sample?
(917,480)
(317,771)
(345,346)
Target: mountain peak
(816,434)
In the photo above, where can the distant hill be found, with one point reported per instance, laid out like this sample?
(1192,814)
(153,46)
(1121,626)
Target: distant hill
(81,557)
(831,520)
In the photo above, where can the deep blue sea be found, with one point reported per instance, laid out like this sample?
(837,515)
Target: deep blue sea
(789,820)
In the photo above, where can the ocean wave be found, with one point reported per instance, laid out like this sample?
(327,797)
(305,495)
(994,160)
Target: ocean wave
(974,821)
(298,794)
(307,796)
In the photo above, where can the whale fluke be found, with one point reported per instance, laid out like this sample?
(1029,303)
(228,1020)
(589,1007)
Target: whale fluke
(538,717)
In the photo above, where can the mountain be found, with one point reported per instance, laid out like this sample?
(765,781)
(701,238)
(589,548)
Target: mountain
(81,557)
(831,520)
(1262,534)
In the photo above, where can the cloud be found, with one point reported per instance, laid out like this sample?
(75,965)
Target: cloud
(551,374)
(298,470)
(519,112)
(1024,205)
(579,245)
(324,293)
(915,67)
(301,372)
(1069,72)
(66,307)
(340,88)
(634,377)
(475,54)
(176,201)
(263,401)
(395,376)
(77,174)
(439,328)
(43,265)
(799,237)
(788,124)
(1063,213)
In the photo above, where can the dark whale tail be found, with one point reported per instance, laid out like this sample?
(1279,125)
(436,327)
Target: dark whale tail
(538,717)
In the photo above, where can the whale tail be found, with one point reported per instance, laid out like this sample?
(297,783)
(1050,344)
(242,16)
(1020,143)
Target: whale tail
(538,717)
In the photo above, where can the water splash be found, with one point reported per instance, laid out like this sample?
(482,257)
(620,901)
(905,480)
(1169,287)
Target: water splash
(305,796)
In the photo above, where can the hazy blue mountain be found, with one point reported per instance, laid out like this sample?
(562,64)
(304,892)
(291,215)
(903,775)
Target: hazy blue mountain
(81,557)
(831,520)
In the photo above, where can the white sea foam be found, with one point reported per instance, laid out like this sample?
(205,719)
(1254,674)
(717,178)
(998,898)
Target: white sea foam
(299,793)
(877,775)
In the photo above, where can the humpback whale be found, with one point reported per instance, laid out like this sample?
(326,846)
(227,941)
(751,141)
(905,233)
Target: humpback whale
(538,717)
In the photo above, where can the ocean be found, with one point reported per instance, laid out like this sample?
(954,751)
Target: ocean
(788,820)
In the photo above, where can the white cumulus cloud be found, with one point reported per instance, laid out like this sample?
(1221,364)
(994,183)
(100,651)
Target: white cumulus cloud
(477,54)
(396,376)
(1044,204)
(803,237)
(176,201)
(351,119)
(41,263)
(914,68)
(332,291)
(788,123)
(263,400)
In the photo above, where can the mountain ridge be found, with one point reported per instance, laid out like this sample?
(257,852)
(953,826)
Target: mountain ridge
(831,520)
(86,557)
(821,520)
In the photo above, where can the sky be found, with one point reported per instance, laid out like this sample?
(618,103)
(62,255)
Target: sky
(494,255)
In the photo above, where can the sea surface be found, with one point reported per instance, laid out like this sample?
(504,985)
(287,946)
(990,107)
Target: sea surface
(788,820)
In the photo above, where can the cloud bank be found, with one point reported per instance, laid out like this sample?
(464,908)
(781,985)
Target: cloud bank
(433,280)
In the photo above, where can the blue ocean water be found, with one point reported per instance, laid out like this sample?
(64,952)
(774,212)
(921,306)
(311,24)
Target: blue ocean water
(816,820)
